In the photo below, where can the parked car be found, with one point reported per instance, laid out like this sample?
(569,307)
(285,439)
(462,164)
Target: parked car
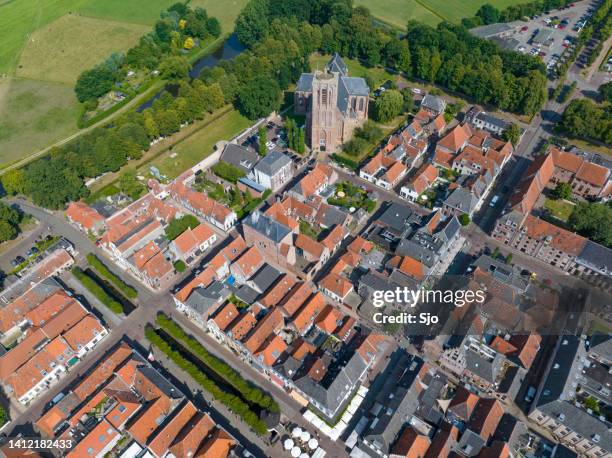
(20,259)
(494,201)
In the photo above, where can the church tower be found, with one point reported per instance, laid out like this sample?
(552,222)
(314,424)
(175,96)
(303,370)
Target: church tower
(324,110)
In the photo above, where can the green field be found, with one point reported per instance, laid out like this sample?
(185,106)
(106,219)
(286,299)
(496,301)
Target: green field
(195,148)
(398,12)
(34,114)
(61,50)
(560,209)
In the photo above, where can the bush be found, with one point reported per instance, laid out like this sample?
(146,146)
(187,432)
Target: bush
(95,289)
(250,392)
(227,171)
(232,402)
(126,289)
(180,266)
(369,132)
(464,219)
(179,225)
(345,161)
(355,146)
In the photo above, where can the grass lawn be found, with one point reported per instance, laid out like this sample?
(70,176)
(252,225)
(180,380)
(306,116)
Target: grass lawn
(34,114)
(560,209)
(61,50)
(398,12)
(196,147)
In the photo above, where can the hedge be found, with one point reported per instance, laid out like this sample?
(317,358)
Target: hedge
(248,391)
(344,161)
(232,402)
(126,289)
(95,289)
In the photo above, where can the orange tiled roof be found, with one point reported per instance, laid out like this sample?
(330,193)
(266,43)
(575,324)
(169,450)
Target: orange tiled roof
(158,266)
(146,422)
(309,245)
(190,438)
(566,161)
(83,214)
(360,245)
(463,403)
(49,308)
(296,298)
(593,174)
(225,316)
(456,138)
(412,268)
(527,348)
(562,239)
(329,319)
(243,325)
(302,348)
(191,239)
(265,328)
(202,279)
(334,238)
(315,180)
(486,417)
(411,444)
(160,443)
(250,261)
(97,439)
(280,289)
(218,446)
(127,405)
(442,158)
(83,332)
(502,346)
(306,315)
(271,350)
(336,284)
(144,255)
(394,172)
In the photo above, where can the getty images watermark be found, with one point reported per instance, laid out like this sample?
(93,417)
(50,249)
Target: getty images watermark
(406,297)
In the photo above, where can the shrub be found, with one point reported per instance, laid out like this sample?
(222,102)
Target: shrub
(464,219)
(126,289)
(246,389)
(355,146)
(95,289)
(180,266)
(232,402)
(179,225)
(227,171)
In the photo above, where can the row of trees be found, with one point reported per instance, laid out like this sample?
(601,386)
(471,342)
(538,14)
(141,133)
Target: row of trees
(592,220)
(488,14)
(296,136)
(583,118)
(175,31)
(447,55)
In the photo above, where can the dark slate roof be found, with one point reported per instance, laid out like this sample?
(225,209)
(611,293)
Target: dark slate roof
(267,226)
(490,119)
(596,256)
(252,184)
(490,30)
(396,216)
(239,156)
(355,85)
(396,401)
(304,84)
(246,294)
(272,163)
(329,216)
(433,103)
(563,372)
(485,368)
(202,299)
(461,199)
(288,368)
(265,277)
(337,65)
(581,422)
(161,382)
(470,444)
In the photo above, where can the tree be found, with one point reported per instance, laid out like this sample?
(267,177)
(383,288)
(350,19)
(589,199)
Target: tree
(488,13)
(180,266)
(408,100)
(259,97)
(227,171)
(179,225)
(130,185)
(593,221)
(301,142)
(562,191)
(369,131)
(94,83)
(355,146)
(388,105)
(13,182)
(464,219)
(188,44)
(174,68)
(9,222)
(605,90)
(512,134)
(262,136)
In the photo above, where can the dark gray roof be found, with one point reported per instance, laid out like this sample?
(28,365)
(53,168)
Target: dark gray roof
(160,382)
(252,184)
(396,216)
(561,380)
(485,368)
(490,119)
(597,257)
(329,216)
(239,156)
(355,85)
(601,345)
(461,199)
(265,277)
(336,65)
(470,444)
(433,103)
(288,368)
(304,84)
(202,299)
(396,401)
(490,30)
(508,274)
(273,163)
(246,294)
(581,422)
(597,379)
(267,226)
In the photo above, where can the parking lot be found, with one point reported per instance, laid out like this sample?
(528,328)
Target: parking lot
(551,36)
(276,140)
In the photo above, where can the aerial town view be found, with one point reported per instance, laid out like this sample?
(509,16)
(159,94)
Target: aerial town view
(306,228)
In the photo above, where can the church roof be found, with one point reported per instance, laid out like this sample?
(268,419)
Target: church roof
(337,65)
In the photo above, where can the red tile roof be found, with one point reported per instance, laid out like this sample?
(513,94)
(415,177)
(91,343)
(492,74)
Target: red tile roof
(463,403)
(98,438)
(83,214)
(486,417)
(456,138)
(281,288)
(296,298)
(336,284)
(265,328)
(410,444)
(202,279)
(329,319)
(160,443)
(310,246)
(146,423)
(271,350)
(192,435)
(561,239)
(83,332)
(306,315)
(225,316)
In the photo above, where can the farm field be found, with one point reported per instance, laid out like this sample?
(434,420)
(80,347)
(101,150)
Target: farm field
(34,114)
(61,50)
(398,12)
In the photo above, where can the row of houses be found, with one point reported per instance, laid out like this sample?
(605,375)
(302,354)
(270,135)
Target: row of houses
(124,407)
